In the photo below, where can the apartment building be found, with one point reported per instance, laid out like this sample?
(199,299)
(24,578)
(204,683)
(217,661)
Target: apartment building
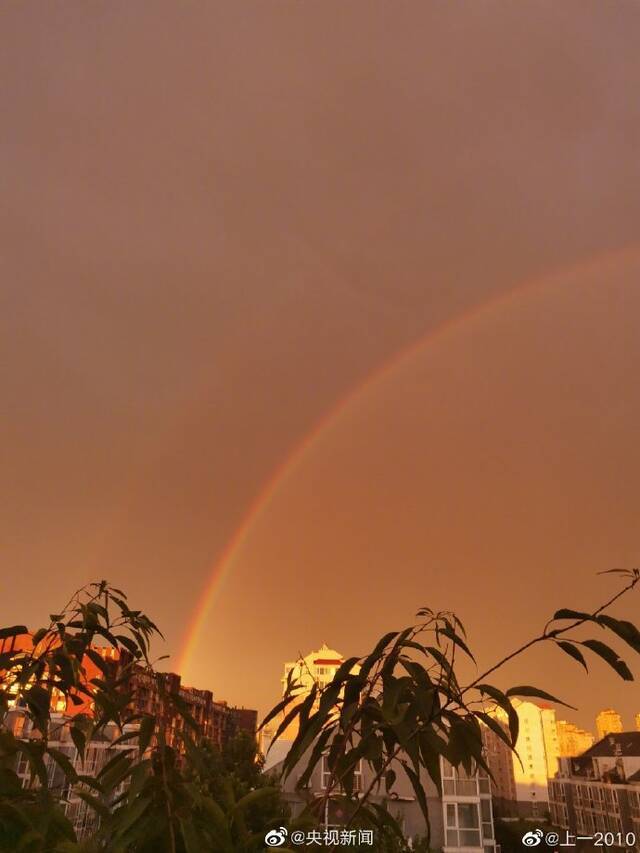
(318,667)
(572,740)
(520,781)
(98,751)
(152,694)
(459,820)
(599,791)
(608,721)
(218,721)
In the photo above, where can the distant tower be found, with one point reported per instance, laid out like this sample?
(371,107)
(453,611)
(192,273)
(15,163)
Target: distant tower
(637,719)
(608,722)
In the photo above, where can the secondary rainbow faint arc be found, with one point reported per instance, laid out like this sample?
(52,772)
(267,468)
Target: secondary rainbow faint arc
(331,417)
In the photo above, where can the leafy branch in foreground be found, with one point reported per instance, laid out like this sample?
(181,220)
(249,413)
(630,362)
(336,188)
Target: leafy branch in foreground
(68,694)
(401,708)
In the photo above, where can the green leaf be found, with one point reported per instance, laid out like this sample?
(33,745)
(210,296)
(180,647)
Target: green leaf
(611,657)
(275,711)
(627,572)
(255,797)
(218,821)
(139,776)
(127,736)
(389,780)
(129,644)
(13,631)
(102,664)
(495,727)
(449,632)
(383,818)
(419,790)
(38,700)
(564,613)
(291,714)
(316,754)
(432,746)
(147,726)
(376,654)
(503,701)
(536,693)
(91,782)
(627,631)
(573,652)
(116,770)
(344,670)
(94,802)
(34,752)
(192,842)
(64,763)
(131,815)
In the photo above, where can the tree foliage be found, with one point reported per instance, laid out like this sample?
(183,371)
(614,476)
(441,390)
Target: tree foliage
(401,708)
(155,792)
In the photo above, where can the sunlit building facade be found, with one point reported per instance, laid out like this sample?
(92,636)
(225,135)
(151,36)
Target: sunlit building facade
(523,790)
(608,721)
(22,644)
(599,792)
(318,667)
(500,761)
(217,720)
(572,740)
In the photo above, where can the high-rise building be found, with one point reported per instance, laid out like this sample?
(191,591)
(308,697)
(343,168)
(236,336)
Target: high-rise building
(599,791)
(637,719)
(318,668)
(500,761)
(217,720)
(573,740)
(523,791)
(608,722)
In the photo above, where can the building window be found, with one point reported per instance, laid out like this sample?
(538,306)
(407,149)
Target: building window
(457,782)
(325,775)
(463,825)
(487,822)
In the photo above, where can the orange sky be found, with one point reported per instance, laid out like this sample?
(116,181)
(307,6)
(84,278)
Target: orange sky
(219,218)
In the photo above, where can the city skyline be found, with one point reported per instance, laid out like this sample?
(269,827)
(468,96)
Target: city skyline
(307,327)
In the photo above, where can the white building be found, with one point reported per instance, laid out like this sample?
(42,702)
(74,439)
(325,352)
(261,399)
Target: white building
(459,820)
(537,757)
(318,667)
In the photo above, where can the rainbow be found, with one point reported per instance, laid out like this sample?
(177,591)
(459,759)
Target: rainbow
(603,262)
